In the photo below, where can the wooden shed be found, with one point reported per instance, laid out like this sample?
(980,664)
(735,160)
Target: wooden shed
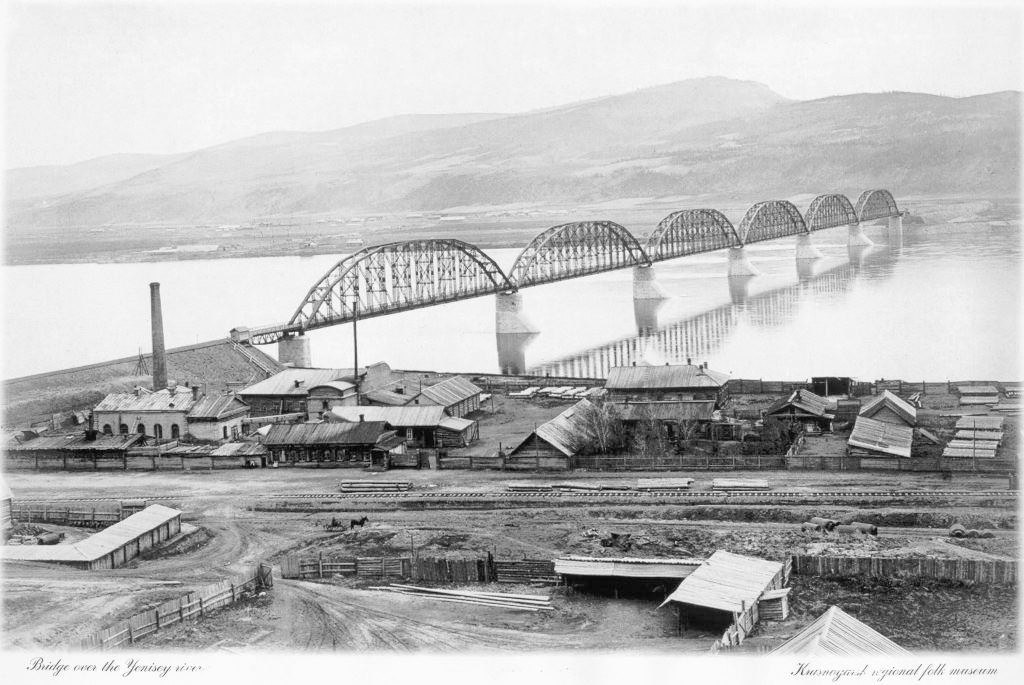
(803,408)
(635,577)
(880,445)
(457,395)
(724,591)
(109,548)
(558,440)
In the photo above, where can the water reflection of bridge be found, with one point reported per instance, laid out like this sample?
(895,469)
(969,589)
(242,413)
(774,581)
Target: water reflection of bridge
(701,335)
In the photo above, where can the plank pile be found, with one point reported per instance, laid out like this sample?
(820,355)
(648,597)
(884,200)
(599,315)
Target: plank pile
(374,486)
(663,484)
(531,603)
(745,484)
(526,571)
(581,486)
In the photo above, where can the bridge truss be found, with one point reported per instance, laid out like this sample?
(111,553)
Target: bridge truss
(577,249)
(830,211)
(769,220)
(691,231)
(876,204)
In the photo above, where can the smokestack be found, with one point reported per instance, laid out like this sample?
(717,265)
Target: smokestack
(195,393)
(157,319)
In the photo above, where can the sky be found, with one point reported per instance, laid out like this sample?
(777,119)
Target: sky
(88,79)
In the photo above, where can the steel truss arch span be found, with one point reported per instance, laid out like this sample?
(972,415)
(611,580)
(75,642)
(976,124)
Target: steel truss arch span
(830,211)
(876,204)
(396,277)
(576,249)
(769,220)
(691,231)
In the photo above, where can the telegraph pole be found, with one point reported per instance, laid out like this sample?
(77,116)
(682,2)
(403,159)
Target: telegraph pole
(355,342)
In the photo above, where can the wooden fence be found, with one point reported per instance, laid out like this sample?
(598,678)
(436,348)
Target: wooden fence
(72,514)
(678,462)
(191,606)
(478,569)
(470,462)
(744,620)
(975,570)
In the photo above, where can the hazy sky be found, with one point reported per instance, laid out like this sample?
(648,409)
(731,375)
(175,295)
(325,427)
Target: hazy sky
(84,80)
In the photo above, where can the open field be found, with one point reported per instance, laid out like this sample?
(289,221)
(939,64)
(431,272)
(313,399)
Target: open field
(54,606)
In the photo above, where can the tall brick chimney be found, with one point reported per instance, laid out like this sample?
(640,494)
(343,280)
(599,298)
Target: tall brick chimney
(157,319)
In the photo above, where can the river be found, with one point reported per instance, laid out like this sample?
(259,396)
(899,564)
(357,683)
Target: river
(932,305)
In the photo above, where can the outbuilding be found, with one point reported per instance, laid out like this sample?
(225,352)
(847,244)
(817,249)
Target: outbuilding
(555,442)
(217,417)
(421,426)
(80,450)
(837,634)
(880,445)
(811,413)
(635,577)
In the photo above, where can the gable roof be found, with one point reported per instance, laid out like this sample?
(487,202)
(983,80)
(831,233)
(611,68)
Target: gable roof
(566,431)
(836,633)
(447,392)
(361,433)
(882,437)
(387,397)
(217,407)
(805,401)
(77,441)
(661,377)
(179,399)
(900,407)
(400,417)
(726,582)
(283,383)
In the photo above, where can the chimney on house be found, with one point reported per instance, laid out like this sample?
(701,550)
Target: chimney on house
(195,393)
(90,432)
(157,321)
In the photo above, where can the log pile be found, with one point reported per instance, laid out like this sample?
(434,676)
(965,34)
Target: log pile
(529,487)
(531,603)
(740,484)
(663,484)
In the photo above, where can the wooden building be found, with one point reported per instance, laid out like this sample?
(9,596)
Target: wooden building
(288,392)
(890,408)
(668,382)
(72,451)
(678,419)
(881,445)
(457,395)
(323,444)
(421,426)
(804,410)
(723,592)
(624,576)
(111,547)
(555,442)
(837,634)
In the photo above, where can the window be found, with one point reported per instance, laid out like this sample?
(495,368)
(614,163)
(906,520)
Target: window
(175,431)
(141,430)
(225,429)
(158,431)
(325,404)
(107,430)
(123,429)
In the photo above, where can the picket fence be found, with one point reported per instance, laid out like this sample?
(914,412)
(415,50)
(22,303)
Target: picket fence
(974,570)
(193,605)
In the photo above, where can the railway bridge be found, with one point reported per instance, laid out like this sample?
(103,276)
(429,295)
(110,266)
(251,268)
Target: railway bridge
(400,276)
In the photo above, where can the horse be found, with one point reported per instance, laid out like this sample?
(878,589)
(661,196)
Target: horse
(357,522)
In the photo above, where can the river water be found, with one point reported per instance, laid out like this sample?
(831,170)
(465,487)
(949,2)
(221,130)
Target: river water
(932,305)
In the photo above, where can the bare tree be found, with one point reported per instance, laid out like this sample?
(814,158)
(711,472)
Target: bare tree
(603,426)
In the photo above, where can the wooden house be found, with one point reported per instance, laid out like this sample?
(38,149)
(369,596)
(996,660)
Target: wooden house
(811,413)
(890,408)
(323,444)
(421,426)
(555,442)
(668,382)
(457,395)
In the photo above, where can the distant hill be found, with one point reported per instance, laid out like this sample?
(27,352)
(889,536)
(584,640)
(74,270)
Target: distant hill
(713,136)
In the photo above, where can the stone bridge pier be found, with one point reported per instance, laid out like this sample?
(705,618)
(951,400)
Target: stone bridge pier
(509,315)
(645,313)
(739,263)
(645,284)
(805,250)
(857,237)
(294,351)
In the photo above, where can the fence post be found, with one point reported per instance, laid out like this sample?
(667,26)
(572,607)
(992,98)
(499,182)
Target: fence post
(202,610)
(320,565)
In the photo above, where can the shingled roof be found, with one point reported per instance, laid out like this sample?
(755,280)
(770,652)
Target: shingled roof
(894,403)
(447,392)
(663,377)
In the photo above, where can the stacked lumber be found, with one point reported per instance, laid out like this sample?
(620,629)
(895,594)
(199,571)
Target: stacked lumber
(979,435)
(743,484)
(526,571)
(663,484)
(374,486)
(584,486)
(528,487)
(527,393)
(531,603)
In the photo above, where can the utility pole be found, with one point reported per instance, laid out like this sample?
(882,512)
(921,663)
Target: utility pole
(355,342)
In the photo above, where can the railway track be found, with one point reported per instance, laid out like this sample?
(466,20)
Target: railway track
(682,495)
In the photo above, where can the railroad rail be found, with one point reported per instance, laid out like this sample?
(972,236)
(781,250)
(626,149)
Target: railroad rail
(601,494)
